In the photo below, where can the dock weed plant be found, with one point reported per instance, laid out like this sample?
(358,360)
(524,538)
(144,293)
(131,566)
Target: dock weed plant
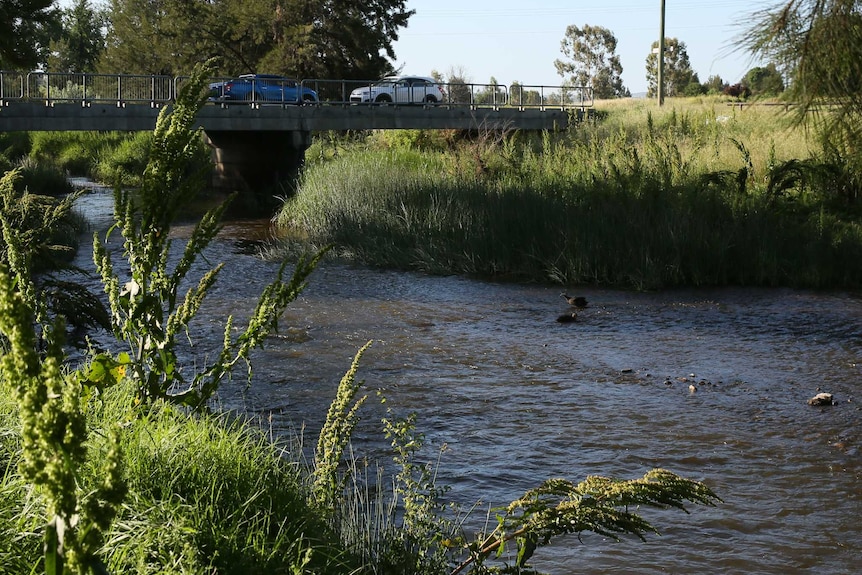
(53,443)
(148,311)
(696,193)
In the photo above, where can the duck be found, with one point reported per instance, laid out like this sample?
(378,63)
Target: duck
(567,317)
(577,301)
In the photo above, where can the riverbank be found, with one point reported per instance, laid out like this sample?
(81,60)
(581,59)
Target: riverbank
(695,194)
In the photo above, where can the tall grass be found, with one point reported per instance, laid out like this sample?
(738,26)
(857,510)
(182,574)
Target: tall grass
(76,153)
(696,195)
(206,495)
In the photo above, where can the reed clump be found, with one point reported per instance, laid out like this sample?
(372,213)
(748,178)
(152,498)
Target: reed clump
(698,193)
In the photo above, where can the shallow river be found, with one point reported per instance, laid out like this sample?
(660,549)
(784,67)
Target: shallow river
(517,397)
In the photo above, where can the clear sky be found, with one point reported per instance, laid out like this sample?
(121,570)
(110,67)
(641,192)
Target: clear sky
(518,40)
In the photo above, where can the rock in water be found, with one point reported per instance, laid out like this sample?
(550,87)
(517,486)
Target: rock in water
(821,399)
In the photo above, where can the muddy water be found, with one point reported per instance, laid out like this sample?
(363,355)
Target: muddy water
(516,397)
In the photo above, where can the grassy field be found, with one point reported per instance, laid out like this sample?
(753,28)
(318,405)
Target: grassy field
(698,192)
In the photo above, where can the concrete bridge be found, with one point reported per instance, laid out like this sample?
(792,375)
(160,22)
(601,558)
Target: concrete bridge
(259,143)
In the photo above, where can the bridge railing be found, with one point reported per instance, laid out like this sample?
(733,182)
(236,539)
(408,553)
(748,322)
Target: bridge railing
(371,92)
(11,86)
(553,97)
(119,89)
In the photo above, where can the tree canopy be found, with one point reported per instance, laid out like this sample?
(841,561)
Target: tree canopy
(677,69)
(324,38)
(591,60)
(26,27)
(81,40)
(817,44)
(764,80)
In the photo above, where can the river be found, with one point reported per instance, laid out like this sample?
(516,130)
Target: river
(516,397)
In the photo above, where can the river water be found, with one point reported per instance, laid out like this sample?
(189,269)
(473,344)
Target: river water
(516,398)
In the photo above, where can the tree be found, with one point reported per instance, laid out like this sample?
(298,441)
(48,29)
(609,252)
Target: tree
(817,44)
(715,85)
(26,28)
(139,39)
(322,39)
(591,60)
(677,68)
(81,41)
(336,38)
(694,87)
(521,95)
(457,85)
(764,81)
(491,93)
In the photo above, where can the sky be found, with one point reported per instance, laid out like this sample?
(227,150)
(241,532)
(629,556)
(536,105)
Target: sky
(518,41)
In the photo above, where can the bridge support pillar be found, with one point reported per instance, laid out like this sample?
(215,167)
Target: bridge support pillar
(255,161)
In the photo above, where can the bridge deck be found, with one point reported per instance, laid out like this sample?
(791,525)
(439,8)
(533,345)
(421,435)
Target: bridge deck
(76,116)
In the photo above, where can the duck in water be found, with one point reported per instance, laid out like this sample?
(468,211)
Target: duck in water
(577,301)
(567,317)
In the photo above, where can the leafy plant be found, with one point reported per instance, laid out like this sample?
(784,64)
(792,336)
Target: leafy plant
(600,504)
(341,419)
(54,440)
(147,312)
(426,537)
(38,236)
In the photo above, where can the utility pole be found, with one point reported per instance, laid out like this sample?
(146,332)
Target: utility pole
(661,59)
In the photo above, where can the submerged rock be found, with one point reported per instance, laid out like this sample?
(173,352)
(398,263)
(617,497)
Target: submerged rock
(821,399)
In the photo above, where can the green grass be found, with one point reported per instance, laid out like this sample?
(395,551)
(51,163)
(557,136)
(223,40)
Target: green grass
(207,495)
(696,193)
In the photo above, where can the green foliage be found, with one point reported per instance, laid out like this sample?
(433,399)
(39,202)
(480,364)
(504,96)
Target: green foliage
(335,39)
(14,145)
(341,419)
(425,537)
(43,178)
(211,494)
(26,27)
(817,46)
(81,41)
(205,493)
(124,164)
(599,504)
(147,312)
(34,228)
(662,200)
(677,68)
(764,81)
(53,442)
(76,152)
(591,60)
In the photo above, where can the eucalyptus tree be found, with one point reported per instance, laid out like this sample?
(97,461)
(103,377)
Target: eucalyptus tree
(677,68)
(26,28)
(591,60)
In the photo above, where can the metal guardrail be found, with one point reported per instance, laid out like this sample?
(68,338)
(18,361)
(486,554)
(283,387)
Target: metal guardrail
(118,89)
(341,92)
(12,86)
(156,91)
(562,97)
